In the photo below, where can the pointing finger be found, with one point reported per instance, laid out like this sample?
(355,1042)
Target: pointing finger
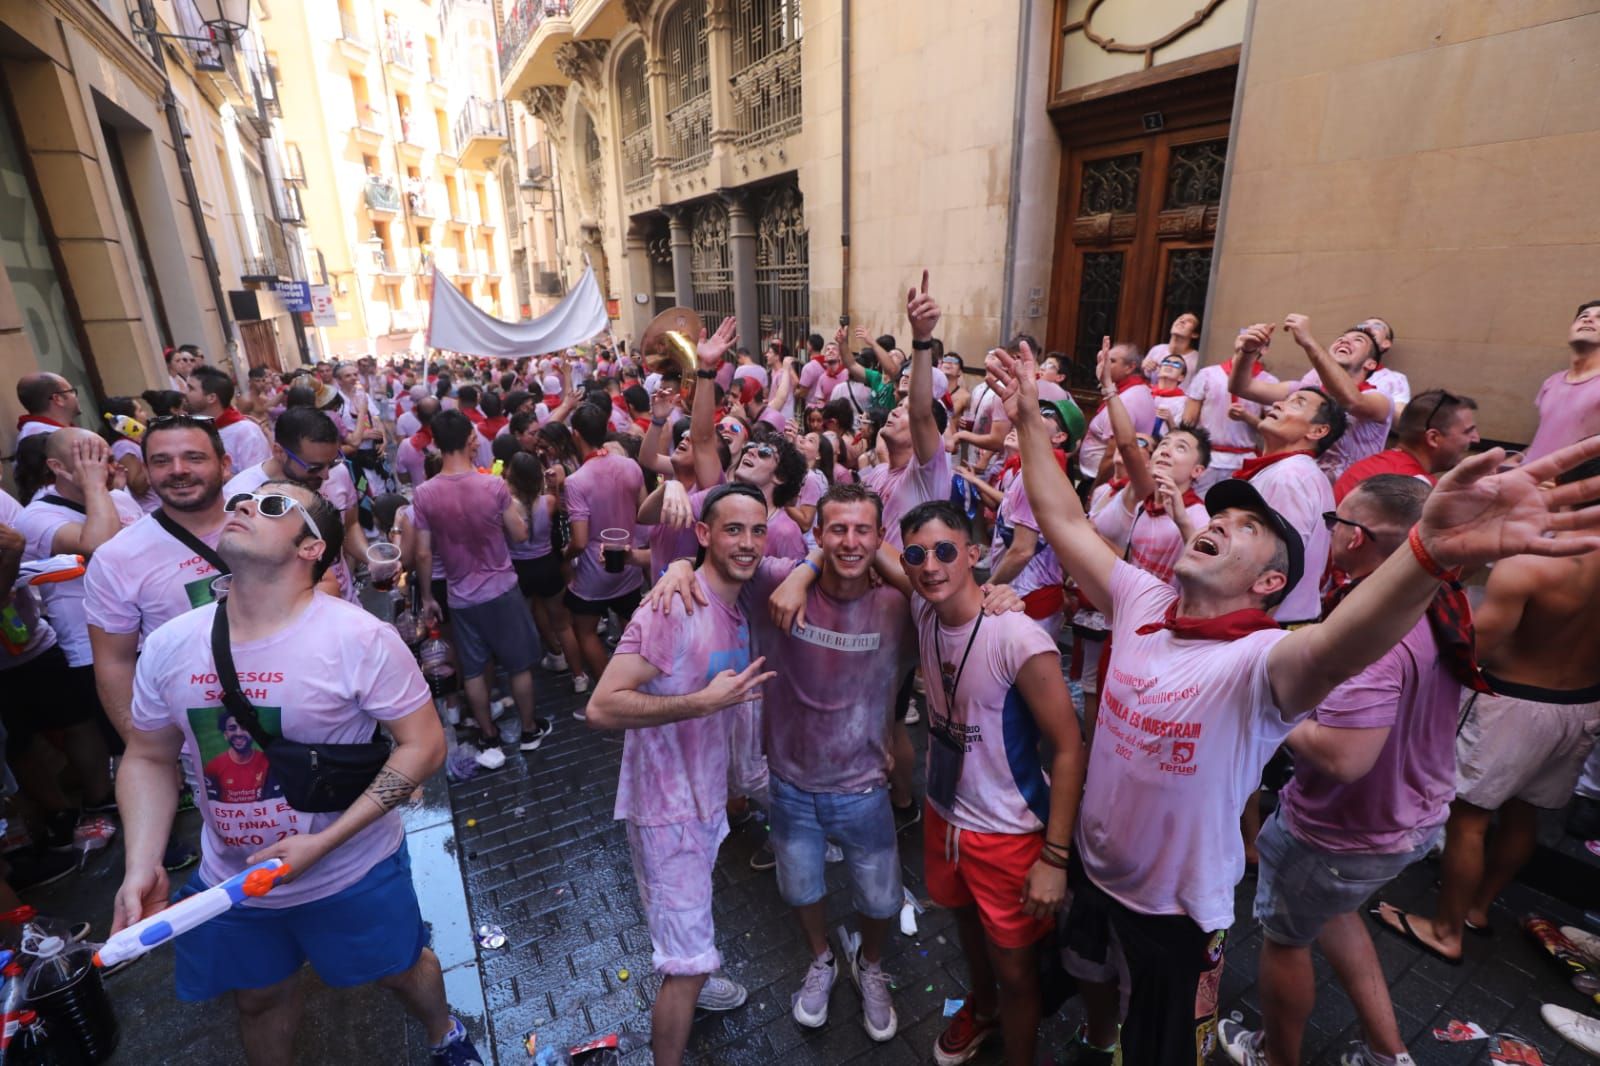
(924,282)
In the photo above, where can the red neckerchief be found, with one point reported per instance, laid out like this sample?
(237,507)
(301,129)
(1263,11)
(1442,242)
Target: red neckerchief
(596,454)
(1166,392)
(1252,467)
(474,415)
(422,439)
(491,427)
(1116,484)
(41,420)
(1450,617)
(1229,626)
(643,422)
(1365,386)
(1256,370)
(1131,381)
(1015,462)
(228,417)
(1152,508)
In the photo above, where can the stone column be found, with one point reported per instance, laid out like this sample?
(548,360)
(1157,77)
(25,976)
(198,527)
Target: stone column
(742,253)
(682,251)
(660,144)
(637,253)
(719,66)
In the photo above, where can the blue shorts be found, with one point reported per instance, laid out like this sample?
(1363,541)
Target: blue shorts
(861,823)
(1301,887)
(371,930)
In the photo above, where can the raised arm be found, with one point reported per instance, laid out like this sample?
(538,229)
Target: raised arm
(1242,381)
(1140,483)
(703,415)
(782,384)
(1473,516)
(91,457)
(1369,406)
(653,449)
(1082,551)
(923,311)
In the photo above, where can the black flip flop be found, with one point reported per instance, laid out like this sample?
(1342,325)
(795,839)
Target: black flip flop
(1408,934)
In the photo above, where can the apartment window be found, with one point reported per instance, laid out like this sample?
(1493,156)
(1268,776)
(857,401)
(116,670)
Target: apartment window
(433,58)
(369,163)
(445,144)
(147,268)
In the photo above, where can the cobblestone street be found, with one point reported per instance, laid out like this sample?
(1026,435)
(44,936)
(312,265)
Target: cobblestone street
(544,859)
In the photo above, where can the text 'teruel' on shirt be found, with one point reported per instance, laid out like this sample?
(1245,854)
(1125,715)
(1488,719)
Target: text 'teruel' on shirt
(604,492)
(144,577)
(827,710)
(1186,727)
(461,513)
(678,772)
(1003,786)
(328,676)
(1407,793)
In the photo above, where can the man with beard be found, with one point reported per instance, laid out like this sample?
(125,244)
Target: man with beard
(240,772)
(1432,435)
(671,675)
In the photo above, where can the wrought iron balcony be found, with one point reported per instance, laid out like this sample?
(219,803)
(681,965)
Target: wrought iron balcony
(381,193)
(522,18)
(766,96)
(636,156)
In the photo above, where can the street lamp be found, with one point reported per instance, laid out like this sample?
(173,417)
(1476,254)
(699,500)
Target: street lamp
(225,19)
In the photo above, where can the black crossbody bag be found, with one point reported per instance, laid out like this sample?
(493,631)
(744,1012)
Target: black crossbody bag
(315,778)
(190,541)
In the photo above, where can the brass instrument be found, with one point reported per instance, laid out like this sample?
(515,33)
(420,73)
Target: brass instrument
(669,342)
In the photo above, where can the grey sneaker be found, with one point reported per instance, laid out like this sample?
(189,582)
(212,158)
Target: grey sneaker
(877,1008)
(1242,1045)
(721,993)
(811,1002)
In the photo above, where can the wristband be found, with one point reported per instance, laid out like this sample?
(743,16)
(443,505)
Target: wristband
(922,346)
(1050,858)
(1426,561)
(708,375)
(658,421)
(815,569)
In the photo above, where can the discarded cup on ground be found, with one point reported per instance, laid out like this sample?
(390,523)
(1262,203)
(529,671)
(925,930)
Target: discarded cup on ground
(383,563)
(614,547)
(491,936)
(220,586)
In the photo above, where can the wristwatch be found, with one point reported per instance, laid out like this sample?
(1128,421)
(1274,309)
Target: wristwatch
(706,374)
(922,346)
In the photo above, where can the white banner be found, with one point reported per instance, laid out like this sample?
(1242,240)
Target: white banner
(455,324)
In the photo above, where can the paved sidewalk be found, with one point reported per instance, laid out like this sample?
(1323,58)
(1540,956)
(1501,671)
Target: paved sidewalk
(546,861)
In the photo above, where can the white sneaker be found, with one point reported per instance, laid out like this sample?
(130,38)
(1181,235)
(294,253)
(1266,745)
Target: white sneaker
(877,1007)
(721,993)
(580,683)
(1242,1045)
(556,664)
(811,1002)
(913,716)
(1579,1030)
(1587,943)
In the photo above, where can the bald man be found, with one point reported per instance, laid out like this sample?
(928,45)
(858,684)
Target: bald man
(51,402)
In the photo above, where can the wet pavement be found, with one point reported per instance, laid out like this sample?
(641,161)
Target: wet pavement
(544,860)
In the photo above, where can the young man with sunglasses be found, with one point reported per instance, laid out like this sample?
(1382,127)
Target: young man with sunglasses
(319,670)
(1374,775)
(672,674)
(1432,435)
(1203,686)
(1569,400)
(470,520)
(1341,370)
(305,451)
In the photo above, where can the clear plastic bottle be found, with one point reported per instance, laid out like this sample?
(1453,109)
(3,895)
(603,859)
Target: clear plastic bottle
(11,998)
(441,677)
(34,1046)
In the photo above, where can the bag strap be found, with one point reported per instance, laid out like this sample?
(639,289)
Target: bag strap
(190,541)
(228,677)
(60,501)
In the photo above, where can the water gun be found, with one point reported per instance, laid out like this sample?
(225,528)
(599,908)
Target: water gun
(49,571)
(147,934)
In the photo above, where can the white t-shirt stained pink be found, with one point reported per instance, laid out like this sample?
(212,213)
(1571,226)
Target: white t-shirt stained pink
(1041,571)
(1568,413)
(1186,727)
(1231,442)
(144,577)
(64,600)
(604,492)
(903,489)
(337,488)
(330,675)
(246,444)
(678,772)
(1297,488)
(1003,787)
(1149,541)
(462,515)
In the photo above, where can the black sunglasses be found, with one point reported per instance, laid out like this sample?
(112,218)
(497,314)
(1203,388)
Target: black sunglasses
(763,451)
(1446,398)
(1331,519)
(916,555)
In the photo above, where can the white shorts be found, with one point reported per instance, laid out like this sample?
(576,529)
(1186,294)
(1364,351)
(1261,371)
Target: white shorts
(1528,745)
(672,866)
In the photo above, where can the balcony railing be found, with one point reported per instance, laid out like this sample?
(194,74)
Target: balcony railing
(369,118)
(271,257)
(636,155)
(399,49)
(766,96)
(381,193)
(689,132)
(480,118)
(290,206)
(522,19)
(418,200)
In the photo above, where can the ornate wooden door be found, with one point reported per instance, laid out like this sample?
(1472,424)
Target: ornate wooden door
(1133,248)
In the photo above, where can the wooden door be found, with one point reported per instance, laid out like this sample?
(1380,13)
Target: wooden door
(1133,246)
(260,345)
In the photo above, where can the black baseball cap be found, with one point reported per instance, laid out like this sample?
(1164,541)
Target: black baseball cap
(1238,493)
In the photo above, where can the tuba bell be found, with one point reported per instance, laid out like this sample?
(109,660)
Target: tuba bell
(669,342)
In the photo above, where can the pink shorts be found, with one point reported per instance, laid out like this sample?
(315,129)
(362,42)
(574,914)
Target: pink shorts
(672,866)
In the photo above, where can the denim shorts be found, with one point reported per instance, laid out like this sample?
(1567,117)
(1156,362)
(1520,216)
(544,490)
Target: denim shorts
(1301,887)
(861,823)
(371,930)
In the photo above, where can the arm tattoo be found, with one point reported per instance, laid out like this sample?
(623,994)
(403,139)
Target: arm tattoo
(390,789)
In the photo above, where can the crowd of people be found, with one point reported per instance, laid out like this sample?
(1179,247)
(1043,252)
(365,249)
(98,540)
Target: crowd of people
(766,568)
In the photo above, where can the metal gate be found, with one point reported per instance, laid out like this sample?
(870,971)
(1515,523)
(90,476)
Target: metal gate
(783,272)
(711,262)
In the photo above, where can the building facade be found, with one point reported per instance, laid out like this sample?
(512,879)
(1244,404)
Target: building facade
(1076,167)
(105,262)
(393,136)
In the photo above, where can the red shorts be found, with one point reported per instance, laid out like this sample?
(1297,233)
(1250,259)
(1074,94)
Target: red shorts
(964,868)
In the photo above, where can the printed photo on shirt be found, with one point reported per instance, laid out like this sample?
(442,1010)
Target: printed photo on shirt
(234,768)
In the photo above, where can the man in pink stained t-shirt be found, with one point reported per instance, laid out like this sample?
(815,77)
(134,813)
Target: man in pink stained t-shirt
(1569,400)
(1122,367)
(1374,776)
(672,674)
(1201,688)
(469,520)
